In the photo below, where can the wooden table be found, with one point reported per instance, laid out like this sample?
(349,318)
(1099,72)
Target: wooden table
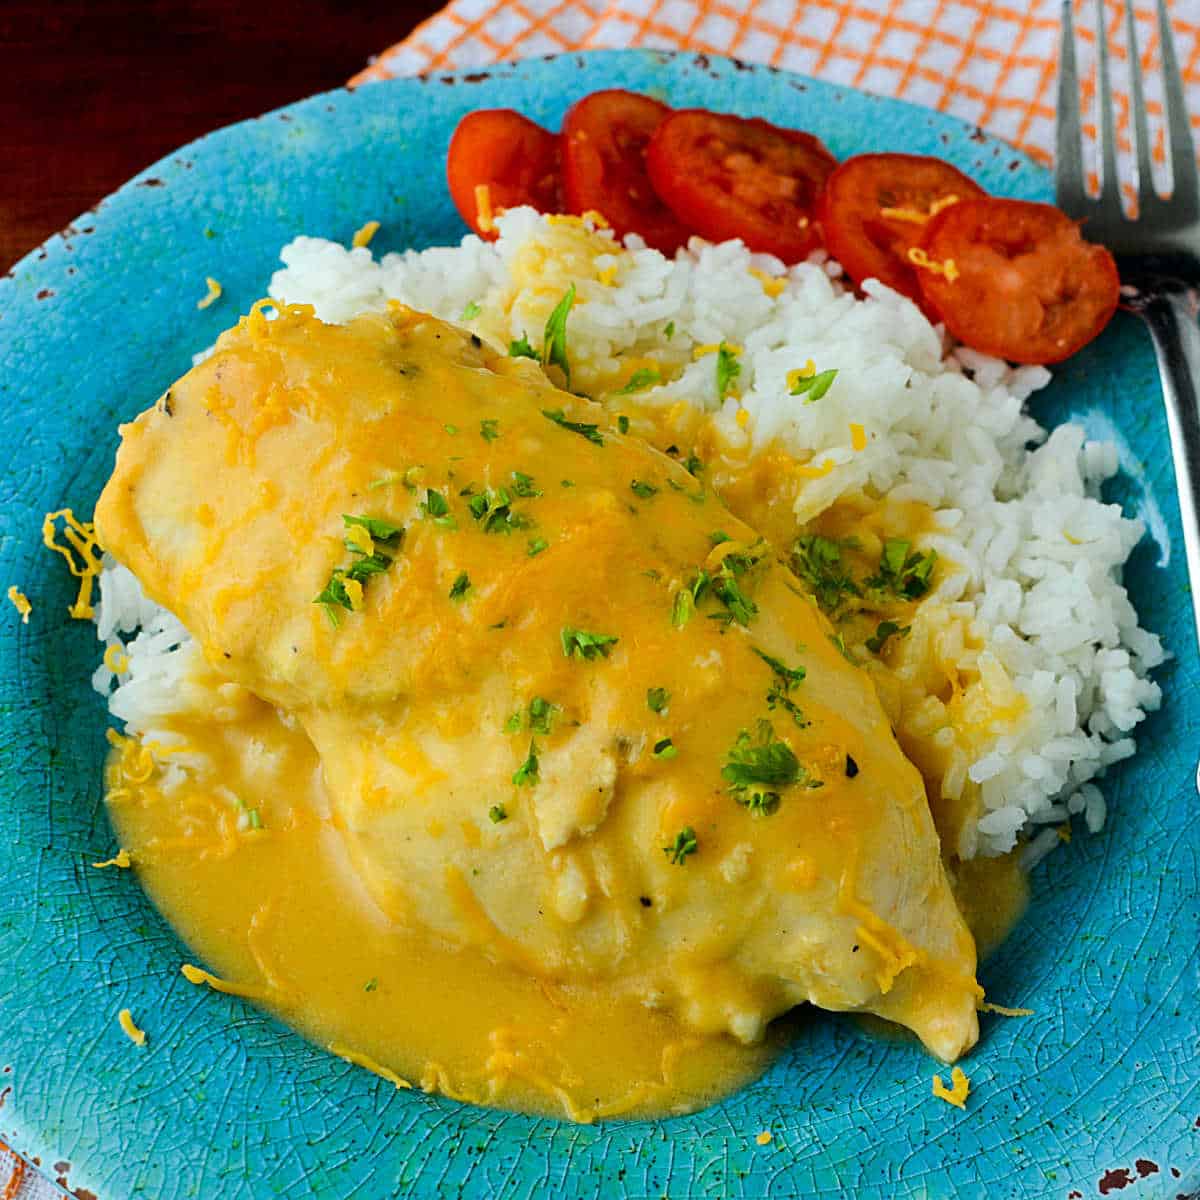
(92,91)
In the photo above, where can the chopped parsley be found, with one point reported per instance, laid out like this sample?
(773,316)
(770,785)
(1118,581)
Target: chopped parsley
(537,545)
(541,714)
(622,424)
(526,775)
(523,485)
(657,699)
(581,644)
(461,586)
(639,381)
(382,531)
(591,432)
(471,311)
(368,562)
(813,387)
(903,572)
(718,536)
(450,429)
(493,510)
(489,429)
(728,369)
(370,985)
(726,587)
(497,813)
(684,845)
(520,348)
(554,338)
(665,748)
(682,609)
(669,331)
(817,562)
(437,508)
(513,724)
(785,679)
(757,770)
(692,465)
(883,631)
(642,489)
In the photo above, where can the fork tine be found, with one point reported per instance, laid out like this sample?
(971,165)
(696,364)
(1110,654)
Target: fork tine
(1179,125)
(1137,102)
(1110,185)
(1069,188)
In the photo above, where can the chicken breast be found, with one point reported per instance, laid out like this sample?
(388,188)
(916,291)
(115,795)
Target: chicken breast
(568,708)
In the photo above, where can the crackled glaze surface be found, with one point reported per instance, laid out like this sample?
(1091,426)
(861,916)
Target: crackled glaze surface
(223,1101)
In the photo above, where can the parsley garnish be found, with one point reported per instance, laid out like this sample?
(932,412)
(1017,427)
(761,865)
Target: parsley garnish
(639,381)
(643,490)
(739,607)
(497,813)
(591,432)
(460,587)
(471,311)
(685,844)
(335,594)
(493,510)
(521,348)
(582,644)
(669,331)
(902,573)
(813,387)
(682,609)
(370,985)
(786,678)
(665,748)
(450,429)
(541,714)
(657,699)
(692,465)
(523,485)
(537,545)
(728,369)
(383,531)
(817,562)
(554,338)
(527,773)
(489,429)
(437,508)
(756,770)
(883,631)
(513,724)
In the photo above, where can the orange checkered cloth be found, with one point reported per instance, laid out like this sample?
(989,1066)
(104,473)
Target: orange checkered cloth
(991,62)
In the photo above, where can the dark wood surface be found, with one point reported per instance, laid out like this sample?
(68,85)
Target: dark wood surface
(92,91)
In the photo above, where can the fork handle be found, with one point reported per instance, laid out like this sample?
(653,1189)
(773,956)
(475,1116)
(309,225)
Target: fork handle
(1170,313)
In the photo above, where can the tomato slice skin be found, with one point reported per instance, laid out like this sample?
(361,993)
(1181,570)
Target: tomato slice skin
(733,177)
(1029,288)
(869,242)
(605,136)
(518,161)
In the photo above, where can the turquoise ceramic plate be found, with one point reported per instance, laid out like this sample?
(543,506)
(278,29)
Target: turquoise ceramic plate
(1104,1078)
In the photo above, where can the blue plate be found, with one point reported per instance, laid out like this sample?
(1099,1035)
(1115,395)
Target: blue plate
(1105,1077)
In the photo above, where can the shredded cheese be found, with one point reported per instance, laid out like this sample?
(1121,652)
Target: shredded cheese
(116,660)
(363,236)
(773,285)
(212,295)
(958,1093)
(764,1138)
(354,592)
(805,372)
(358,537)
(858,437)
(919,258)
(712,347)
(598,219)
(81,538)
(1000,1010)
(122,860)
(608,276)
(915,215)
(483,208)
(808,471)
(132,1032)
(195,975)
(21,603)
(369,1064)
(743,418)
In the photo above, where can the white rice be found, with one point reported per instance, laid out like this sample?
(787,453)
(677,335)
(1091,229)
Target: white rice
(1036,555)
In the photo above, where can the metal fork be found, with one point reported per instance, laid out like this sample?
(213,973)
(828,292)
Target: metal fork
(1158,253)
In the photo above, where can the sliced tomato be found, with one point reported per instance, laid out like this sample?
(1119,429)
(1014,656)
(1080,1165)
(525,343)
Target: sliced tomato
(516,160)
(604,166)
(875,208)
(729,177)
(1017,280)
